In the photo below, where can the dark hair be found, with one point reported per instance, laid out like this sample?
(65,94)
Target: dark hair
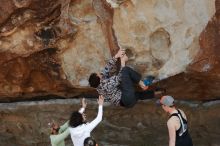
(89,141)
(94,80)
(76,119)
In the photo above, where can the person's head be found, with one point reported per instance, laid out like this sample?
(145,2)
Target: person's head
(54,129)
(94,80)
(89,141)
(77,119)
(167,103)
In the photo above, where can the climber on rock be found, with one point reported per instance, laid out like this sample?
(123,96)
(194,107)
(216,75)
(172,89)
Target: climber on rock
(118,88)
(59,133)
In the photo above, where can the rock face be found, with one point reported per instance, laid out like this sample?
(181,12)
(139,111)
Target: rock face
(162,35)
(26,124)
(50,47)
(201,81)
(30,33)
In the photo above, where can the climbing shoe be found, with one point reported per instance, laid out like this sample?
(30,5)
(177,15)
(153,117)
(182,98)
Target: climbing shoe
(148,80)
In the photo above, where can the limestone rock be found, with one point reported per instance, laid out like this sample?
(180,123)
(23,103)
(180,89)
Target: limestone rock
(163,35)
(201,81)
(50,47)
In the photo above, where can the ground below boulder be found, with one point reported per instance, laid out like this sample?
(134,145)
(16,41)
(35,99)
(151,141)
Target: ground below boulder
(26,123)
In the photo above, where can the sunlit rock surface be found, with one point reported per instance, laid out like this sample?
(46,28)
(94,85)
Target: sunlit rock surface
(49,47)
(163,35)
(89,50)
(201,80)
(26,124)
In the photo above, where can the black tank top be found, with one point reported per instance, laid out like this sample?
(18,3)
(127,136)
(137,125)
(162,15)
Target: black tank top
(182,136)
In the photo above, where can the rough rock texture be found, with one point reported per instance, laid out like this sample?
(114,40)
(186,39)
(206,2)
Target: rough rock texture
(162,35)
(49,47)
(208,59)
(26,124)
(88,50)
(30,33)
(202,80)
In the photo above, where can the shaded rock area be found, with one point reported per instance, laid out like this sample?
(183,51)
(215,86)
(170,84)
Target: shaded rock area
(50,47)
(192,86)
(30,32)
(26,123)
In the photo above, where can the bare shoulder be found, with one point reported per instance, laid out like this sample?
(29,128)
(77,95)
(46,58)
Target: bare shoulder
(172,121)
(183,114)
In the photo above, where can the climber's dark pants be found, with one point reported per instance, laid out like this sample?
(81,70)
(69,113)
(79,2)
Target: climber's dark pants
(129,95)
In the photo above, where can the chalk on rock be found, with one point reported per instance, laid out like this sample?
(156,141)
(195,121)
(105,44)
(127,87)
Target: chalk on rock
(113,3)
